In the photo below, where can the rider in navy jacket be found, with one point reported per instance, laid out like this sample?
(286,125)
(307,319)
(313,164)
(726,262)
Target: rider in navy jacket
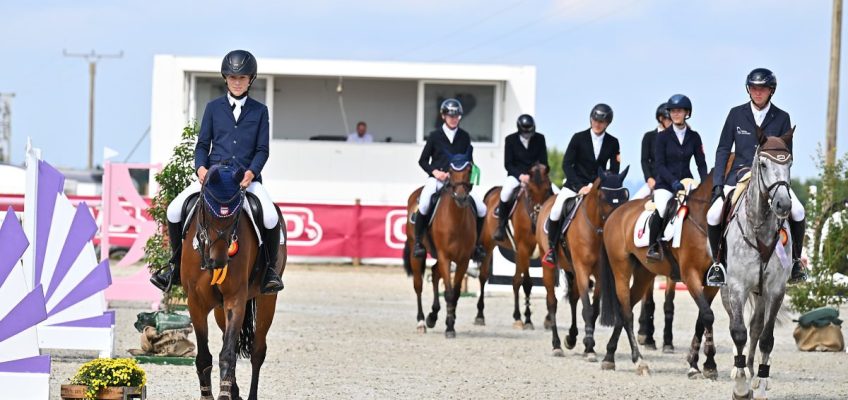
(740,129)
(673,151)
(234,129)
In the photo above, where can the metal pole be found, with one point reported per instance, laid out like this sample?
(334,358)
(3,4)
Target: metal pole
(92,71)
(833,84)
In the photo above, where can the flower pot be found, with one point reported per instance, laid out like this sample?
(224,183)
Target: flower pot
(76,392)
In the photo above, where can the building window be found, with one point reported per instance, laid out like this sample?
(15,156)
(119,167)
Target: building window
(478,104)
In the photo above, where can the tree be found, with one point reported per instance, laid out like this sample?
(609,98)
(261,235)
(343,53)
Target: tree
(555,161)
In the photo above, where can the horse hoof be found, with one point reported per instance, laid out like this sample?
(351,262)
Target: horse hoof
(450,334)
(746,396)
(421,328)
(693,373)
(668,348)
(650,346)
(558,353)
(518,325)
(591,357)
(431,322)
(480,321)
(711,374)
(608,366)
(641,338)
(643,370)
(547,325)
(529,326)
(570,342)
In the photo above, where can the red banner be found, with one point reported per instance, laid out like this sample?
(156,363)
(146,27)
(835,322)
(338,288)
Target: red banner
(321,230)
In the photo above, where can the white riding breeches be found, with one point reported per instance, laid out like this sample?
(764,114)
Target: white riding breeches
(563,195)
(432,185)
(508,189)
(661,198)
(269,211)
(797,212)
(643,192)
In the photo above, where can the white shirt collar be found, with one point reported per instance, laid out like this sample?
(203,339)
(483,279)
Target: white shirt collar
(680,132)
(760,115)
(525,140)
(232,100)
(450,133)
(597,141)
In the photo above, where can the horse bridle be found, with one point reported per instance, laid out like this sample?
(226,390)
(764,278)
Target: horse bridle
(604,216)
(771,190)
(467,185)
(228,232)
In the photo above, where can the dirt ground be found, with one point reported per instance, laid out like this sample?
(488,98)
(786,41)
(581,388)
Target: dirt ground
(350,332)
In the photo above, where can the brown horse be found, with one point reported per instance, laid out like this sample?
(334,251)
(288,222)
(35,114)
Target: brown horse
(522,241)
(578,255)
(626,262)
(452,238)
(222,275)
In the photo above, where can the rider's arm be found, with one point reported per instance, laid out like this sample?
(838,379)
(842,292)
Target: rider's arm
(204,140)
(509,160)
(646,157)
(569,159)
(615,158)
(659,159)
(700,159)
(426,153)
(725,143)
(262,145)
(542,156)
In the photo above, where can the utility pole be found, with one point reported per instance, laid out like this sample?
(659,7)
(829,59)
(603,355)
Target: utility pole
(92,59)
(833,83)
(6,127)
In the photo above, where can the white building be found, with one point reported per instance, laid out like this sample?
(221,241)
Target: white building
(313,104)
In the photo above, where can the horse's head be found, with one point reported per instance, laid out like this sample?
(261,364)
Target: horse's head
(612,191)
(772,162)
(539,187)
(459,182)
(217,230)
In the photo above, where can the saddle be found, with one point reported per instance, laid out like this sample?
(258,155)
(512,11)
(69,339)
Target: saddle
(254,213)
(435,199)
(673,227)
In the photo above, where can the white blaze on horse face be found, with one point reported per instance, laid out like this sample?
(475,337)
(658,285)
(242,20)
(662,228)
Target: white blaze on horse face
(779,197)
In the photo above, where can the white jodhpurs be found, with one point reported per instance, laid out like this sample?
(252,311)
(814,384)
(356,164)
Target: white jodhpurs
(643,192)
(508,189)
(796,213)
(661,198)
(431,185)
(563,195)
(269,211)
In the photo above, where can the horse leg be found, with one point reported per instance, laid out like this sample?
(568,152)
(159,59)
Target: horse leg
(582,278)
(710,369)
(646,322)
(450,294)
(523,265)
(642,283)
(234,312)
(486,267)
(755,328)
(516,287)
(761,383)
(734,304)
(573,298)
(418,285)
(548,279)
(668,310)
(608,364)
(434,312)
(265,308)
(203,360)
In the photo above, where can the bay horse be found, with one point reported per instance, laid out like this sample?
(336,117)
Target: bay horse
(452,237)
(758,263)
(578,256)
(624,261)
(645,336)
(521,241)
(223,274)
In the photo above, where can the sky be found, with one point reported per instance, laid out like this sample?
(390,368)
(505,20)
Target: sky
(630,54)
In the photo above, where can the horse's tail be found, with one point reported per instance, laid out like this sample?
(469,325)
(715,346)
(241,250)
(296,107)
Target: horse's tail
(407,265)
(248,330)
(610,307)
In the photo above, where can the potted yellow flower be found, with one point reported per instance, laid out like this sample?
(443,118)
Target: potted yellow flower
(107,378)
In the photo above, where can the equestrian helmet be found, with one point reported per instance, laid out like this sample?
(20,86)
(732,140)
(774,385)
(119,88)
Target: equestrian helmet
(239,62)
(601,112)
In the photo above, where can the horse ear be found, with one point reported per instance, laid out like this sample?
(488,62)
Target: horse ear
(787,137)
(214,175)
(761,136)
(623,174)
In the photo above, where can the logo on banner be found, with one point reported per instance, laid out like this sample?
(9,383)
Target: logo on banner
(396,229)
(301,226)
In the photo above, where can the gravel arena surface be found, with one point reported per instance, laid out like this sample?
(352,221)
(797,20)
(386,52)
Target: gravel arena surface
(350,332)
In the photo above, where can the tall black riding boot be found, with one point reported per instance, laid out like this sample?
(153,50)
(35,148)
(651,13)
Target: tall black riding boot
(479,250)
(271,283)
(656,225)
(716,275)
(164,278)
(554,233)
(418,250)
(797,229)
(503,218)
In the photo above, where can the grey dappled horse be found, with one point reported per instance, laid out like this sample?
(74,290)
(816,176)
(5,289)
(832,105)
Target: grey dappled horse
(753,268)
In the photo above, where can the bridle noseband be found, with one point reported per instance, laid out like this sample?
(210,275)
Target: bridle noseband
(229,232)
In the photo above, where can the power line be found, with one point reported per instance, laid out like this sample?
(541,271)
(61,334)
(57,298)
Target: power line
(440,40)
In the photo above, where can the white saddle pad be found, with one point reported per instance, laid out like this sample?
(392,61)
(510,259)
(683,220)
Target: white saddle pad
(641,233)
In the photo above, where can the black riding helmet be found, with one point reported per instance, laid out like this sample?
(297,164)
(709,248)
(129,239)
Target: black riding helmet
(601,112)
(679,101)
(526,124)
(451,107)
(239,62)
(662,112)
(761,77)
